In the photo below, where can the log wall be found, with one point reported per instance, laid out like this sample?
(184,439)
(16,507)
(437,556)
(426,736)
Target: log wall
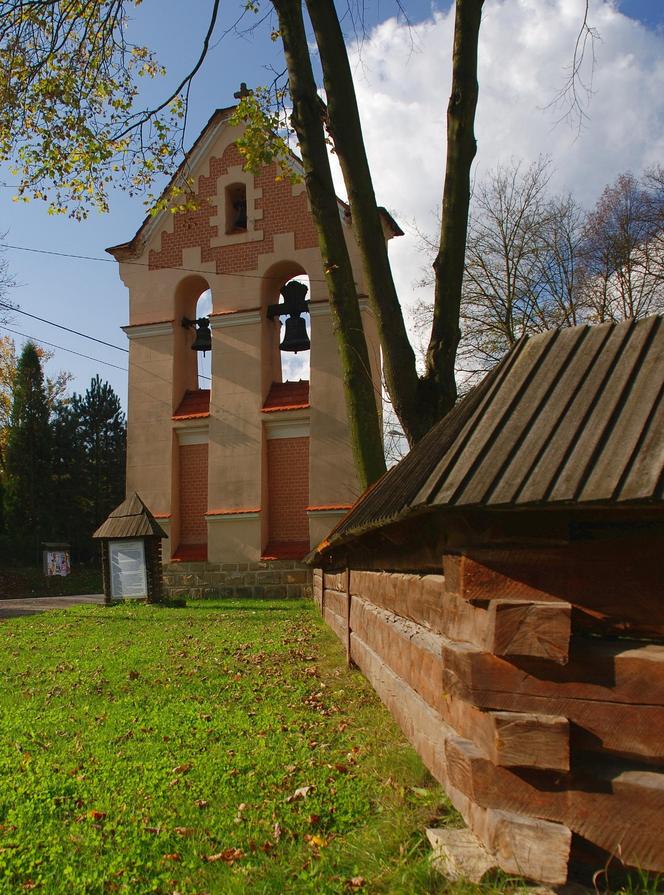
(545,728)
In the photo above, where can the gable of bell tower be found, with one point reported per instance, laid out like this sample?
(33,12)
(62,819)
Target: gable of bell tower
(247,467)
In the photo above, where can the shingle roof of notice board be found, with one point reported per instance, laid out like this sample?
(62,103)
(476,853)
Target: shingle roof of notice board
(569,417)
(132,519)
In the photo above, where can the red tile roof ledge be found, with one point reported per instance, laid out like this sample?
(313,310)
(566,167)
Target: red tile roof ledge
(190,553)
(286,550)
(195,405)
(287,396)
(234,511)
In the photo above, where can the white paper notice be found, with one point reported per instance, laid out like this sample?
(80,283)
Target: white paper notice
(128,577)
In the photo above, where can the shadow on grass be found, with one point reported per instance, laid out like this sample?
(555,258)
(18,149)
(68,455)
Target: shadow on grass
(137,611)
(254,607)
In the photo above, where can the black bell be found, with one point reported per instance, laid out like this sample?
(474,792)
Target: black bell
(203,340)
(295,335)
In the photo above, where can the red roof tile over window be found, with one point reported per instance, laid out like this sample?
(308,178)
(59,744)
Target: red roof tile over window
(194,404)
(286,550)
(287,396)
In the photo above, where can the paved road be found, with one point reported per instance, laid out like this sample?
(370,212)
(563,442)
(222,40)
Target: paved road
(33,605)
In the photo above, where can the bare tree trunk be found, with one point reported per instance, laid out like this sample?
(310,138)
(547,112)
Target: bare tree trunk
(449,263)
(359,392)
(344,125)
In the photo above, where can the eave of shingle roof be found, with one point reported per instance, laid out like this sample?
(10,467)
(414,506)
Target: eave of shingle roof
(132,519)
(570,417)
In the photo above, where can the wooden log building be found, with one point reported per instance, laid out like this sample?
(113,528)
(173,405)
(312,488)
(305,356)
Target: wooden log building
(501,588)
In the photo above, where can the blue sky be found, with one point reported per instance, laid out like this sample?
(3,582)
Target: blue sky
(392,82)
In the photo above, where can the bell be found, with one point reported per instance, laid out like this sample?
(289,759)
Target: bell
(295,335)
(203,340)
(240,209)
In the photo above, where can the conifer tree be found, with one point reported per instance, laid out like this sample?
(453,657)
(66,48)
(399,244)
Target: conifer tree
(28,494)
(101,437)
(67,460)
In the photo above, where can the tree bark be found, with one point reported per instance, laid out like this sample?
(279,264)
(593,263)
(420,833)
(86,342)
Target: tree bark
(359,392)
(344,125)
(449,263)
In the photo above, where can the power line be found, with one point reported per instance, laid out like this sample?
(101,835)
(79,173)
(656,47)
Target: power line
(60,326)
(15,332)
(77,353)
(243,276)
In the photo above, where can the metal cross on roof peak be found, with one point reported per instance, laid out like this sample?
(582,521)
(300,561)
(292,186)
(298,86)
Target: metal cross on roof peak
(243,92)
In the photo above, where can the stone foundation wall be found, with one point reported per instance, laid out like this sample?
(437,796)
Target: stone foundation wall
(270,579)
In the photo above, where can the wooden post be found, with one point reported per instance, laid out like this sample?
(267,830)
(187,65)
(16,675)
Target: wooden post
(105,573)
(349,660)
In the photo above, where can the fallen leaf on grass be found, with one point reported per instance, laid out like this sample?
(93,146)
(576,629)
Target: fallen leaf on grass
(185,831)
(315,841)
(300,793)
(172,856)
(183,768)
(357,882)
(133,675)
(228,856)
(277,831)
(419,791)
(96,815)
(201,803)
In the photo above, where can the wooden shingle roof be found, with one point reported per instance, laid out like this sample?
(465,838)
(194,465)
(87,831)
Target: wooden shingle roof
(132,519)
(570,417)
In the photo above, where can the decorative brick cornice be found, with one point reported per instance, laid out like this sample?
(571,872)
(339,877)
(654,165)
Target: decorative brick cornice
(235,318)
(322,308)
(148,330)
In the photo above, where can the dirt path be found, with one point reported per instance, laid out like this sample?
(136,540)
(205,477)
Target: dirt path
(33,605)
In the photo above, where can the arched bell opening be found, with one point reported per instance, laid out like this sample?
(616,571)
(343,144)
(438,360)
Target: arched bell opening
(192,340)
(191,395)
(295,344)
(286,325)
(286,351)
(202,339)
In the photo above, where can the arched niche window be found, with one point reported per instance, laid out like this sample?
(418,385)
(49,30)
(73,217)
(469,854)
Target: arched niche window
(191,370)
(236,208)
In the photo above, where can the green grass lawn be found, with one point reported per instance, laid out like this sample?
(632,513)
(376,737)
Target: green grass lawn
(219,748)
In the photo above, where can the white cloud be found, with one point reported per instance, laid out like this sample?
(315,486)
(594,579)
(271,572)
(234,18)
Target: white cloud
(403,84)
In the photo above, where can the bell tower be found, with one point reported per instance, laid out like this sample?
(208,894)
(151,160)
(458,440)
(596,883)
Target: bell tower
(248,471)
